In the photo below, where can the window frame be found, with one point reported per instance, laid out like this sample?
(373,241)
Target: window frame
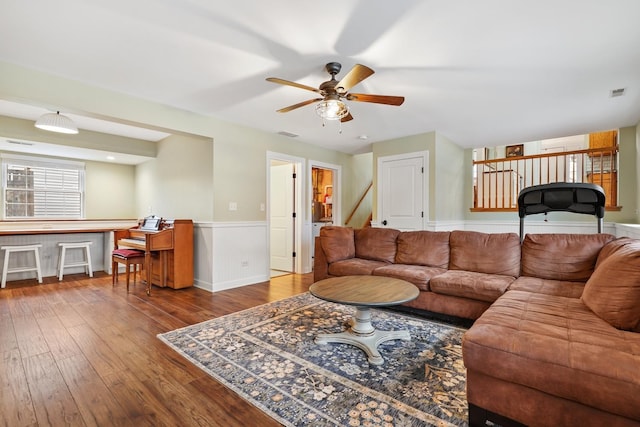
(45,164)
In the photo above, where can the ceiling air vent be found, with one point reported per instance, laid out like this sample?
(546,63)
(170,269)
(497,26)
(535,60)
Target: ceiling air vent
(19,142)
(617,92)
(289,134)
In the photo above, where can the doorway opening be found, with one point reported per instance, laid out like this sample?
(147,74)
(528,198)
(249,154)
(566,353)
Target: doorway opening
(284,213)
(325,199)
(322,206)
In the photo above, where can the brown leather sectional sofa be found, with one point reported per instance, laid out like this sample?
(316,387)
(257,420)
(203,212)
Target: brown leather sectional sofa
(556,337)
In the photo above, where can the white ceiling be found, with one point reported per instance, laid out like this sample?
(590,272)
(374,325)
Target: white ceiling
(481,73)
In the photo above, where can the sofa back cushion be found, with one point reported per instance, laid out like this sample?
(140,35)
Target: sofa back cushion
(612,247)
(613,290)
(337,243)
(378,244)
(430,248)
(570,257)
(490,253)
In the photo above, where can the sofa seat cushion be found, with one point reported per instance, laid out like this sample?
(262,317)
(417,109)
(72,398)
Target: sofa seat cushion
(490,253)
(469,284)
(378,244)
(417,274)
(561,288)
(423,247)
(562,256)
(558,346)
(354,267)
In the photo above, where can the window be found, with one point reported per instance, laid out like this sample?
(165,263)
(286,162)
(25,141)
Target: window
(42,188)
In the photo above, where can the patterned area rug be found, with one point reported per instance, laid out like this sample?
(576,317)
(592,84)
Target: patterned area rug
(267,355)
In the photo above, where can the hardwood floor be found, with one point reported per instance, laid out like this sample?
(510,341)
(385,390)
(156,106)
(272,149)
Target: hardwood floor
(82,353)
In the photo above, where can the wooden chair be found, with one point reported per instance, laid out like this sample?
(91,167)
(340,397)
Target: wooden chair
(128,257)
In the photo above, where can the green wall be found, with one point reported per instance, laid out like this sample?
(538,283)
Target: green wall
(108,191)
(359,175)
(179,182)
(452,174)
(448,170)
(409,144)
(636,184)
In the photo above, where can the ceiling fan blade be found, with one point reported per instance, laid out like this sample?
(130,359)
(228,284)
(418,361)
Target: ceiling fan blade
(290,83)
(357,74)
(298,105)
(378,99)
(346,118)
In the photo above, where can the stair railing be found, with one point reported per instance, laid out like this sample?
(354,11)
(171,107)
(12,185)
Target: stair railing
(355,209)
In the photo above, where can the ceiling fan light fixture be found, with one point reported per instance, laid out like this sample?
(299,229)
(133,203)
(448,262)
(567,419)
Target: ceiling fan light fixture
(56,122)
(332,109)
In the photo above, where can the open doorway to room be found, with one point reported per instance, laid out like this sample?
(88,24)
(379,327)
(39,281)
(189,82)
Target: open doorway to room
(284,213)
(325,198)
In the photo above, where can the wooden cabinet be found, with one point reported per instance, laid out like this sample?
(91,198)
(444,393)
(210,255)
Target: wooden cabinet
(609,183)
(603,139)
(175,268)
(168,252)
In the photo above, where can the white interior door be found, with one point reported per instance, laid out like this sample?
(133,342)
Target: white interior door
(281,209)
(401,192)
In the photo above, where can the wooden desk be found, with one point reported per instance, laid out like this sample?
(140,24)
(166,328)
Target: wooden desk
(50,233)
(364,292)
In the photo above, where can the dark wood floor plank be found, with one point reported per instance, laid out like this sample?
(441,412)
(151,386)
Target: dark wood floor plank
(8,340)
(15,399)
(139,402)
(79,352)
(38,302)
(59,341)
(29,337)
(97,350)
(94,400)
(233,405)
(50,395)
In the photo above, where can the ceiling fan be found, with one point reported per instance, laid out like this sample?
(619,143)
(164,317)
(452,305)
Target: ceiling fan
(330,105)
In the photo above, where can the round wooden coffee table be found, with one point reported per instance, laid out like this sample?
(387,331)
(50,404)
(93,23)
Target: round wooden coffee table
(364,292)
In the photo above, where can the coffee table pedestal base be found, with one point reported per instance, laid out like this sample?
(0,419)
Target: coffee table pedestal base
(363,335)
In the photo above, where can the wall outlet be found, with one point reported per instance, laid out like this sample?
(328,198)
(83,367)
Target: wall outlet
(233,206)
(244,263)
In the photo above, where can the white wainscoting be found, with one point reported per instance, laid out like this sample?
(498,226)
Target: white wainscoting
(539,227)
(628,230)
(577,227)
(230,254)
(203,255)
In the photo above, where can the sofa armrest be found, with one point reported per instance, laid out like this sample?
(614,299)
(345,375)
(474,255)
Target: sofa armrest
(320,263)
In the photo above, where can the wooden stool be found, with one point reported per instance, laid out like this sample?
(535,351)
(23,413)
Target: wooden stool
(128,257)
(87,257)
(8,250)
